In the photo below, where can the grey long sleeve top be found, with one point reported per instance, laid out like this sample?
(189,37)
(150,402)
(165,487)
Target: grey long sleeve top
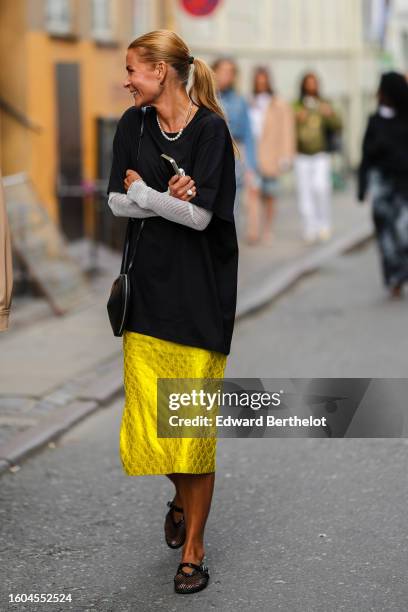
(141,201)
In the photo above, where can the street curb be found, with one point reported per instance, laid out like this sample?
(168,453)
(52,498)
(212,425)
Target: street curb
(105,391)
(4,466)
(278,283)
(96,395)
(49,428)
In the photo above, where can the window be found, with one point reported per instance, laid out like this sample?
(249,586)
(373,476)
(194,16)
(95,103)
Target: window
(110,229)
(59,17)
(102,20)
(141,17)
(375,20)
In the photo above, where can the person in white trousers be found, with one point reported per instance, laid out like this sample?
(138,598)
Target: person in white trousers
(313,178)
(316,126)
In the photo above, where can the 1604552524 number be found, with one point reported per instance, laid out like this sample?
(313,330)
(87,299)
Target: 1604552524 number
(39,597)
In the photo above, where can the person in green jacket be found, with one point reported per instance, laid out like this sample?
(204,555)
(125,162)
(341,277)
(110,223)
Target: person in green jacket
(317,126)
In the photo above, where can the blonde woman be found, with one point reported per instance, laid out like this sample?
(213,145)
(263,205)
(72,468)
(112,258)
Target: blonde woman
(184,279)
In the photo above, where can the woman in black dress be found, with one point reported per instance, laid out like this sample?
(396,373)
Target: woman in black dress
(384,170)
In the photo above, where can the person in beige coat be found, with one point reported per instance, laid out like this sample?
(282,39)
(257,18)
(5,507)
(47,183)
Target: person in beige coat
(6,268)
(273,125)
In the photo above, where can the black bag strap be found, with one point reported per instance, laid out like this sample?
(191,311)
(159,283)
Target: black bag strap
(125,267)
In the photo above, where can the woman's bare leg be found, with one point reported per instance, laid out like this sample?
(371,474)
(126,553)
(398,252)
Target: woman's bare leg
(196,492)
(269,214)
(178,500)
(252,195)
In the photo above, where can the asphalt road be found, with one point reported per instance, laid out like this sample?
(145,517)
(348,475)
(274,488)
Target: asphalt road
(311,525)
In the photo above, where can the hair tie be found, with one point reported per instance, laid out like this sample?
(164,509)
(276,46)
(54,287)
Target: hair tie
(191,59)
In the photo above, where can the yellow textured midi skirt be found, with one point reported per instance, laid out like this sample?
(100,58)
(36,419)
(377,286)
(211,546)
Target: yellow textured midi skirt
(145,360)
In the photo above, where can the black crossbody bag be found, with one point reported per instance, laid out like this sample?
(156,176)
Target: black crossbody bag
(119,299)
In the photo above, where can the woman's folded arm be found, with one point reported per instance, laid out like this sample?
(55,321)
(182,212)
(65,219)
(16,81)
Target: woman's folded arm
(169,207)
(122,206)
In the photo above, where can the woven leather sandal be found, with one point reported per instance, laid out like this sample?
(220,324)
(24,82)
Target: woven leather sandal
(174,532)
(197,580)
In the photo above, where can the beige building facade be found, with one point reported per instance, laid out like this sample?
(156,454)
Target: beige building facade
(290,37)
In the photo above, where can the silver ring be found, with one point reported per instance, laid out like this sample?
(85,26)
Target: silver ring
(189,192)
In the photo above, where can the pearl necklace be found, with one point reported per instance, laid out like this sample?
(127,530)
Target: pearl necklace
(181,131)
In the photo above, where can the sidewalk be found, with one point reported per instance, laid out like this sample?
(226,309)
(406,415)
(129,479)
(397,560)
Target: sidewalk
(55,371)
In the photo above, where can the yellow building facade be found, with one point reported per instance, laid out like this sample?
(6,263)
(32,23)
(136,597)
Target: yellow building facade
(61,76)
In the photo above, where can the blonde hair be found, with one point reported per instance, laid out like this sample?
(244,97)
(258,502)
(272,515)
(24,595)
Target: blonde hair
(167,46)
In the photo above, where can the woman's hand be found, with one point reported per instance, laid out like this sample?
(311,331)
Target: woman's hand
(179,185)
(301,115)
(285,164)
(326,109)
(131,176)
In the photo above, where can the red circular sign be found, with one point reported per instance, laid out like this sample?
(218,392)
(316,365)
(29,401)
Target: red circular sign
(199,8)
